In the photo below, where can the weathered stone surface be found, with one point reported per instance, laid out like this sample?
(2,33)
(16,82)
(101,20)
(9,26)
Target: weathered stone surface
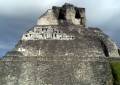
(67,13)
(54,70)
(60,50)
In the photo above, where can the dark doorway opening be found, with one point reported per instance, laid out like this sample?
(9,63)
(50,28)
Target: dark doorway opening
(77,14)
(62,14)
(119,51)
(105,49)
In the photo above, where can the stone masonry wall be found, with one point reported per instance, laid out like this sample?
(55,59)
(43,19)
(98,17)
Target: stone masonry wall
(53,70)
(59,15)
(46,33)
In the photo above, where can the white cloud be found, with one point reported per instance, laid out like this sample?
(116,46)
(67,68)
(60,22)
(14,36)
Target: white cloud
(98,11)
(11,7)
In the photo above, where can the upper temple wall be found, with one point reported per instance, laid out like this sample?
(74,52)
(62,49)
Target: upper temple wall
(62,15)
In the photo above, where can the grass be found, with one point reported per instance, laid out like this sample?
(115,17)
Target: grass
(115,65)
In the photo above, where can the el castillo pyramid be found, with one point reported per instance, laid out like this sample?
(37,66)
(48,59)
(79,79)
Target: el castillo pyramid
(60,50)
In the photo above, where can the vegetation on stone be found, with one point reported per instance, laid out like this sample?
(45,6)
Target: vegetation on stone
(115,65)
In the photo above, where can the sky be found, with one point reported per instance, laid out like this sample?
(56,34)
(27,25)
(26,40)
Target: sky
(17,16)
